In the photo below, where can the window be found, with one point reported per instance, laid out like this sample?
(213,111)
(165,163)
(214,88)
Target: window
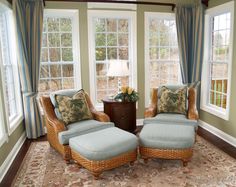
(161,51)
(60,68)
(10,77)
(2,127)
(112,37)
(217,60)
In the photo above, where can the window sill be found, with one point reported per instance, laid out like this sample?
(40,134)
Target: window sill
(216,112)
(15,123)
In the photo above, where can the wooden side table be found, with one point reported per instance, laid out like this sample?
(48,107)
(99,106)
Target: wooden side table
(123,114)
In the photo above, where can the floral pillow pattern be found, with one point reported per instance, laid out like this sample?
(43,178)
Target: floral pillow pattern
(172,101)
(73,109)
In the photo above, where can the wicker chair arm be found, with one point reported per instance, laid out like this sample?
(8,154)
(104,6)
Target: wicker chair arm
(150,112)
(57,125)
(50,115)
(192,109)
(100,116)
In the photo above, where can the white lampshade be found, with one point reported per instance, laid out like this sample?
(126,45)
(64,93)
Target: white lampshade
(118,68)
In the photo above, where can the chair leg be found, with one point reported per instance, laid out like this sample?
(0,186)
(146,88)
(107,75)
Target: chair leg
(96,175)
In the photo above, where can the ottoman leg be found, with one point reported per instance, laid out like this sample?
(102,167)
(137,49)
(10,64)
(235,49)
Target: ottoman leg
(96,175)
(185,163)
(145,160)
(131,163)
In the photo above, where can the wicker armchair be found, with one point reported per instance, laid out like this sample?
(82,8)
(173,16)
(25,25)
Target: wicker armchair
(192,113)
(54,125)
(151,116)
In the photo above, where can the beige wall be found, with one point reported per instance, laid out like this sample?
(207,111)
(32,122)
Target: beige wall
(229,126)
(6,148)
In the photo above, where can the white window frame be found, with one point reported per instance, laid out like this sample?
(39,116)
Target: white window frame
(148,15)
(132,48)
(74,15)
(3,138)
(205,105)
(12,123)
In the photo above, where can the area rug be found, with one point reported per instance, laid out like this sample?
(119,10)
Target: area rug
(210,167)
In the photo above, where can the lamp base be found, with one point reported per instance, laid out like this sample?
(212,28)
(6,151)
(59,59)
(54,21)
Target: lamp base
(119,85)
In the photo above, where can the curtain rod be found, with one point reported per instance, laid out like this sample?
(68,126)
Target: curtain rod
(205,2)
(122,2)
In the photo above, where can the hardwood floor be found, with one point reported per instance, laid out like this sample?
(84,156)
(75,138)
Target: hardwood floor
(7,180)
(10,175)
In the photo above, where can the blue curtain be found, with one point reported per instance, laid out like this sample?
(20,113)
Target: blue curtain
(190,32)
(29,23)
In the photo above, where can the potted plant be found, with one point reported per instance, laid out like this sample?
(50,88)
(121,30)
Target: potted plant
(127,94)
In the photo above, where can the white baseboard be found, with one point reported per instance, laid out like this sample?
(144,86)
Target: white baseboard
(219,133)
(139,122)
(11,156)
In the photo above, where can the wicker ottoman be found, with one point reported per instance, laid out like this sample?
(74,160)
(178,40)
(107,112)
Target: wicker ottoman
(167,141)
(103,150)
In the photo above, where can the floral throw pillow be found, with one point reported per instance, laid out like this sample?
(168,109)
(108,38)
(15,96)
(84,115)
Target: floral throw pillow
(74,108)
(172,101)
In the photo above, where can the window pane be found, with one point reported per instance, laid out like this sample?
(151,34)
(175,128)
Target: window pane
(100,40)
(123,25)
(111,25)
(111,39)
(154,53)
(100,25)
(55,84)
(68,83)
(66,24)
(44,85)
(101,69)
(44,55)
(123,40)
(68,70)
(124,53)
(44,72)
(44,40)
(112,53)
(55,71)
(101,95)
(54,40)
(113,83)
(100,54)
(67,54)
(53,24)
(102,83)
(54,54)
(66,40)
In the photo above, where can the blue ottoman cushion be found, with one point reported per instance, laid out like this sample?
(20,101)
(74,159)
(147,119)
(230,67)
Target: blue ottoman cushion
(104,144)
(163,136)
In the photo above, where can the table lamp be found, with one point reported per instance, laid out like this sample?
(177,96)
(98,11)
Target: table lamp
(118,68)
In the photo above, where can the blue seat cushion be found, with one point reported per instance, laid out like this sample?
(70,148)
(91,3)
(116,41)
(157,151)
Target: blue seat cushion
(82,127)
(164,136)
(172,119)
(104,144)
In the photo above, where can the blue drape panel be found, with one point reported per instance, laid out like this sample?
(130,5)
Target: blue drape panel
(29,23)
(190,32)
